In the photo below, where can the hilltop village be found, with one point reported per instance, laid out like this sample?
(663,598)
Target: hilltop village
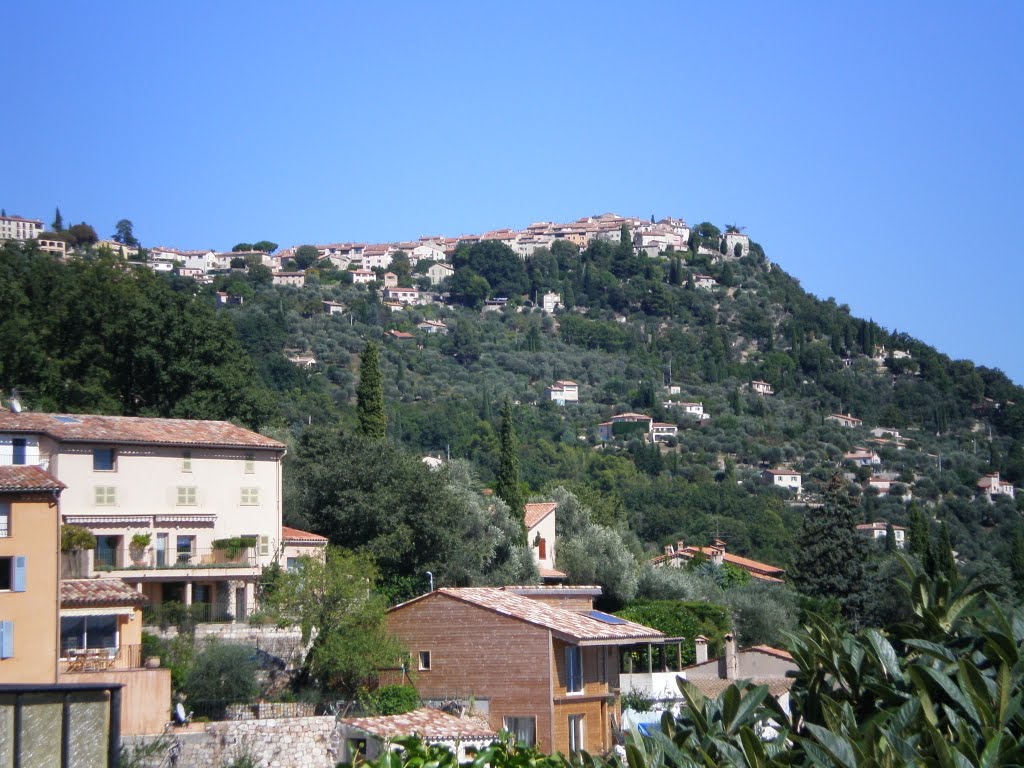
(513,482)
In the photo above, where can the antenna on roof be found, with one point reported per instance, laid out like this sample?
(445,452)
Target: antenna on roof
(15,404)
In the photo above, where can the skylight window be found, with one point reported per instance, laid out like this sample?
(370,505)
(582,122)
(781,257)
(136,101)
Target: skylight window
(607,618)
(67,419)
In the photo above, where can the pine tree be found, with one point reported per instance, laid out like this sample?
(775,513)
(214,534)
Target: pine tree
(507,485)
(890,538)
(373,421)
(58,222)
(830,553)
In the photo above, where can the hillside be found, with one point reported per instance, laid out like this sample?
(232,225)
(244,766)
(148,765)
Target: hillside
(705,320)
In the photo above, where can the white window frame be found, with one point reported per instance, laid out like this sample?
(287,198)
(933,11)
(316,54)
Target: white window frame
(577,733)
(187,496)
(250,497)
(113,459)
(5,520)
(250,463)
(186,461)
(511,724)
(423,659)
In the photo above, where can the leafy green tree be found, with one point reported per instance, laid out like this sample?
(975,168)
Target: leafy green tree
(124,234)
(401,267)
(468,288)
(830,553)
(79,235)
(506,486)
(463,342)
(306,256)
(498,264)
(333,600)
(373,420)
(242,247)
(264,245)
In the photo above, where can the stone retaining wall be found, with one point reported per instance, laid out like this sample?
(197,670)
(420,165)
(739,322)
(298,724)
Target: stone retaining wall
(298,742)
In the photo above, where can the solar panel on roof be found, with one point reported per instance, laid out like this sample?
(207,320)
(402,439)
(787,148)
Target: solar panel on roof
(67,419)
(607,618)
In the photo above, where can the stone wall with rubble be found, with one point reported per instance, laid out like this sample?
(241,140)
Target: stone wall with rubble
(296,742)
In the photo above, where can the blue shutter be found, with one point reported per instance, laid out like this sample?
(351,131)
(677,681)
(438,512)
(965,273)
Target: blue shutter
(19,574)
(6,639)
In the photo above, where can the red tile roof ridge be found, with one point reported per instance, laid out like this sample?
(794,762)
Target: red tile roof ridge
(26,478)
(76,593)
(294,534)
(537,511)
(575,626)
(135,429)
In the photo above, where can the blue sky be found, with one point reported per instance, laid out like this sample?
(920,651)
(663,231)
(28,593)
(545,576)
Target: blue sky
(874,149)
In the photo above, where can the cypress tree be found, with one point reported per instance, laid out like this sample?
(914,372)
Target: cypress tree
(507,485)
(890,538)
(373,421)
(919,538)
(830,553)
(58,222)
(945,562)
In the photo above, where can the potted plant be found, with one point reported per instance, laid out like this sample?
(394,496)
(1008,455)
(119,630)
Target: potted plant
(137,547)
(75,542)
(232,548)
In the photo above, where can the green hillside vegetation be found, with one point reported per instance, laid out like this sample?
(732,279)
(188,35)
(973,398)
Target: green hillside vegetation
(92,335)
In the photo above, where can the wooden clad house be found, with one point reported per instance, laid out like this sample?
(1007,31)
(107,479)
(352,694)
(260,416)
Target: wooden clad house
(548,674)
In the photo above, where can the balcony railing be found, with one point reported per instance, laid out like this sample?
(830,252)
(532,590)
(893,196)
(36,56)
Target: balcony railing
(175,614)
(100,659)
(28,459)
(120,560)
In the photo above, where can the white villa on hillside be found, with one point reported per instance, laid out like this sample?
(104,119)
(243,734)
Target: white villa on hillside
(563,391)
(783,478)
(844,420)
(991,485)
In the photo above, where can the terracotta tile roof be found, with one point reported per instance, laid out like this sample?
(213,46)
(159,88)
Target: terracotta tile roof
(15,479)
(428,724)
(294,534)
(538,511)
(776,652)
(567,624)
(85,593)
(89,428)
(551,573)
(760,571)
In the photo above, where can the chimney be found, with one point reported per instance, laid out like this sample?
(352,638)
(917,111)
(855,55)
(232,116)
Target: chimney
(669,550)
(732,661)
(15,404)
(680,545)
(700,644)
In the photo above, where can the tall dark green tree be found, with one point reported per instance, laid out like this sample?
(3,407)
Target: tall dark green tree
(919,538)
(124,234)
(373,421)
(830,553)
(58,222)
(507,484)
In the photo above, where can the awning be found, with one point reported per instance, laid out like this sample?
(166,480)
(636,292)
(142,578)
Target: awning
(145,520)
(187,519)
(113,610)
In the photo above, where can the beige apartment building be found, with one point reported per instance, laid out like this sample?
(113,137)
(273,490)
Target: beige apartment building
(184,511)
(17,228)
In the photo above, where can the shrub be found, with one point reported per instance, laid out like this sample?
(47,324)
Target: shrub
(393,700)
(74,538)
(222,674)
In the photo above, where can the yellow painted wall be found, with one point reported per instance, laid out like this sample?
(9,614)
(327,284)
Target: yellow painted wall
(34,533)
